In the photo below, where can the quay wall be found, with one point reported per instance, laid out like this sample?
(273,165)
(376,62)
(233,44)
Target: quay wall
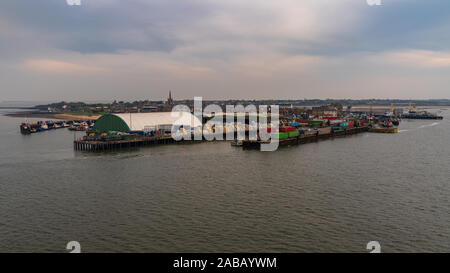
(98,145)
(303,139)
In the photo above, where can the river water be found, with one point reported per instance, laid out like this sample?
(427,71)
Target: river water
(331,196)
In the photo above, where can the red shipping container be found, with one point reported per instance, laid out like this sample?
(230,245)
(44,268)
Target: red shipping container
(286,129)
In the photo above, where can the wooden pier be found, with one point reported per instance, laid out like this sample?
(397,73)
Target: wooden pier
(98,145)
(87,144)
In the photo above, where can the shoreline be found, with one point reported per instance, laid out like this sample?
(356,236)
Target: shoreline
(61,116)
(21,113)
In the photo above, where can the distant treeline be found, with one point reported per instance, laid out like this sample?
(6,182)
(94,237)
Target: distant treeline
(346,102)
(305,102)
(374,102)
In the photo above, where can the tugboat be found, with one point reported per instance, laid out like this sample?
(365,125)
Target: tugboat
(391,117)
(384,127)
(421,115)
(413,114)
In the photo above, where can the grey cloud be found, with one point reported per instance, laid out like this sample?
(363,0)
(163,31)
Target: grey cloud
(125,25)
(109,27)
(238,40)
(409,24)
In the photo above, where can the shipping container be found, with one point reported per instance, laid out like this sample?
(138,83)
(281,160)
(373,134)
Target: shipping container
(281,135)
(364,122)
(286,129)
(320,122)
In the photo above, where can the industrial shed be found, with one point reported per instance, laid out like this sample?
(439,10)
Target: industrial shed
(145,121)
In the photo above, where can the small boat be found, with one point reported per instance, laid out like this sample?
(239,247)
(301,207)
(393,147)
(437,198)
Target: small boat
(25,129)
(386,130)
(50,125)
(77,128)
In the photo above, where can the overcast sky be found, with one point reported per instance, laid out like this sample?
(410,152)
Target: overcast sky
(141,49)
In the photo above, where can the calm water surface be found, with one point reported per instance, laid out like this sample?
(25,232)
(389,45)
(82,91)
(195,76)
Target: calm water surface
(330,196)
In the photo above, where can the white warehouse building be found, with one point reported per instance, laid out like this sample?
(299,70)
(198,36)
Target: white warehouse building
(146,121)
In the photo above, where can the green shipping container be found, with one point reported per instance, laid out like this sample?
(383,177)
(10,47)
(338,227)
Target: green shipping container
(281,135)
(315,122)
(294,134)
(131,136)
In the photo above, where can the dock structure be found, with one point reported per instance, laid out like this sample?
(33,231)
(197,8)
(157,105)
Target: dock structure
(98,145)
(302,139)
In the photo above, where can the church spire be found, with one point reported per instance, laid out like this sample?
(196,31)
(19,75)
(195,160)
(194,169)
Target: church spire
(170,100)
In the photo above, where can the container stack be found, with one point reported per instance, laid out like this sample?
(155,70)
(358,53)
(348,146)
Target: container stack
(286,132)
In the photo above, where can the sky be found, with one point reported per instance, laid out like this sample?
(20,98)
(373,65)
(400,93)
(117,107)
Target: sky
(224,49)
